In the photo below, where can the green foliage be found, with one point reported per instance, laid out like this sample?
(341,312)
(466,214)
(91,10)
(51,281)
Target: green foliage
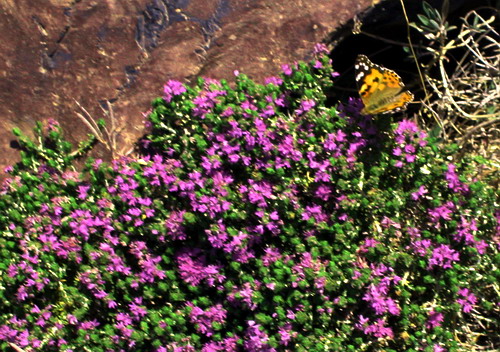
(257,219)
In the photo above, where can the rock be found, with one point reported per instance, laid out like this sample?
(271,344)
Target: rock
(58,52)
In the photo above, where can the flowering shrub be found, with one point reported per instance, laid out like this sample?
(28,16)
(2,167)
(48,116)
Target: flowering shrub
(257,219)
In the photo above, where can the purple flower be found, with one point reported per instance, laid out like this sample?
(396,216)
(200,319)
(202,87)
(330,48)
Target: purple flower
(7,333)
(280,101)
(203,319)
(89,325)
(244,294)
(205,102)
(124,319)
(82,191)
(443,256)
(443,212)
(268,111)
(52,125)
(438,348)
(100,294)
(362,323)
(305,106)
(21,293)
(467,301)
(378,329)
(435,319)
(211,205)
(318,64)
(465,233)
(407,136)
(420,247)
(287,70)
(193,270)
(379,301)
(258,192)
(285,335)
(335,143)
(419,193)
(320,49)
(136,308)
(229,344)
(314,211)
(150,272)
(271,255)
(171,89)
(174,227)
(256,340)
(453,181)
(72,319)
(273,80)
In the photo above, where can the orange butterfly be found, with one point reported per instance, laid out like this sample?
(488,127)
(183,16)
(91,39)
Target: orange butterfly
(381,89)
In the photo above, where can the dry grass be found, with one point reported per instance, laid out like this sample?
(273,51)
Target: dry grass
(465,101)
(106,136)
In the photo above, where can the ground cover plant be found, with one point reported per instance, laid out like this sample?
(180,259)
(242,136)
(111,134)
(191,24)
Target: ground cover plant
(256,219)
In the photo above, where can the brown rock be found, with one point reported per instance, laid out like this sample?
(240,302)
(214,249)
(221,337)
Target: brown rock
(55,52)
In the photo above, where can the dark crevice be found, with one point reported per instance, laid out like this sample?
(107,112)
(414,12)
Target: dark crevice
(50,60)
(62,35)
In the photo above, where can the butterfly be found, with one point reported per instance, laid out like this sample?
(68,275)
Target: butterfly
(381,89)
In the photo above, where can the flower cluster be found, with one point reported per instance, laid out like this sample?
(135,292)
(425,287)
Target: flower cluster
(255,219)
(408,138)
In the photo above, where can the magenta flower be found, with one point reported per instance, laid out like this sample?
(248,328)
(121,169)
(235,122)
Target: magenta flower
(465,233)
(407,136)
(229,344)
(320,49)
(377,297)
(453,181)
(203,319)
(271,255)
(314,211)
(256,340)
(171,89)
(434,320)
(137,309)
(467,299)
(305,106)
(438,348)
(287,70)
(318,65)
(89,325)
(419,193)
(443,212)
(443,256)
(244,294)
(377,329)
(286,334)
(52,125)
(193,270)
(82,191)
(420,247)
(273,80)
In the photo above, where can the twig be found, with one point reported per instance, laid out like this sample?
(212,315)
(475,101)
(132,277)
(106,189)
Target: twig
(16,347)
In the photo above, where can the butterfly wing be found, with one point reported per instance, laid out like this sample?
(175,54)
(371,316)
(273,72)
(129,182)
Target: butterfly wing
(390,104)
(381,89)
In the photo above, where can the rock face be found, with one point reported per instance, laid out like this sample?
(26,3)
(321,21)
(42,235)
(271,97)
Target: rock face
(56,52)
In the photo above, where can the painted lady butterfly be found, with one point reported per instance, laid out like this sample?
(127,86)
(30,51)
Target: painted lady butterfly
(381,89)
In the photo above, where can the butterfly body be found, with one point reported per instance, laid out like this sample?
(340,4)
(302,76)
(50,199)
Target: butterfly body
(381,89)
